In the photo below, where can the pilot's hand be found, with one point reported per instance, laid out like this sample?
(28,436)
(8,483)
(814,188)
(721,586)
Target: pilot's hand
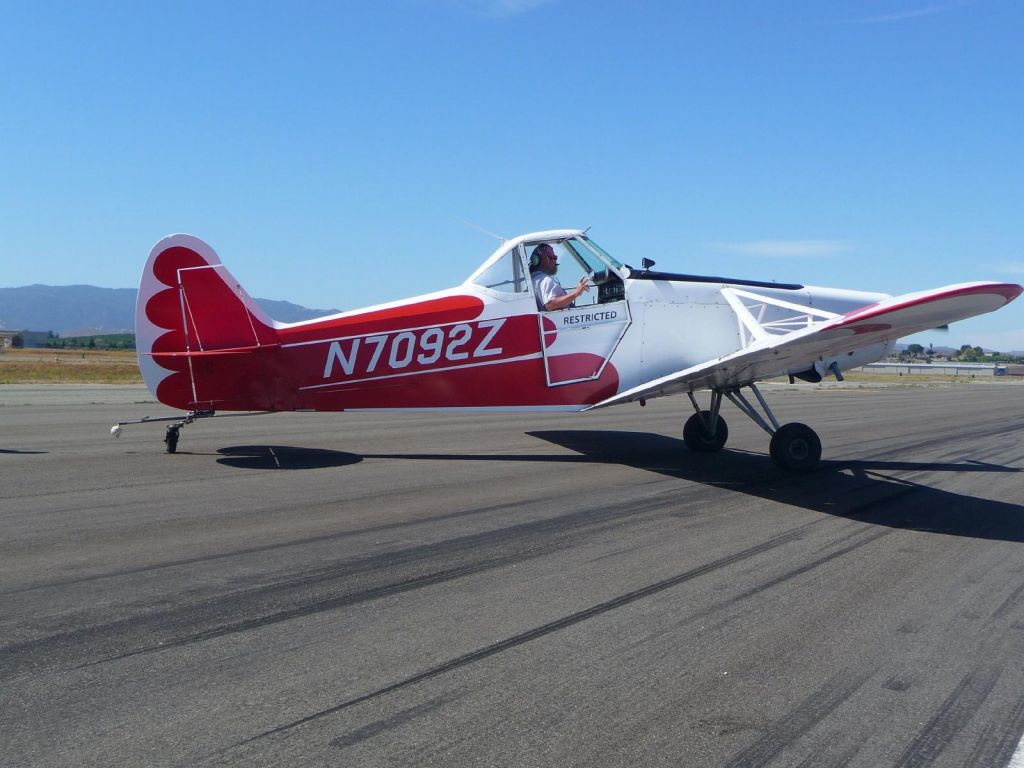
(583,286)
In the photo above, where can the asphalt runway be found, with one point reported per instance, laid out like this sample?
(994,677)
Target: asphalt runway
(567,590)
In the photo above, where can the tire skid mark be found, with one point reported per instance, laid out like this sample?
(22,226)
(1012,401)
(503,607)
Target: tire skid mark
(383,725)
(999,740)
(853,528)
(956,711)
(841,759)
(81,638)
(704,614)
(529,540)
(334,603)
(1008,604)
(496,508)
(235,603)
(870,537)
(804,717)
(868,534)
(212,609)
(322,539)
(546,629)
(969,435)
(669,498)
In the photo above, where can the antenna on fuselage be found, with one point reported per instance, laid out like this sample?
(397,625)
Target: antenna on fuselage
(485,231)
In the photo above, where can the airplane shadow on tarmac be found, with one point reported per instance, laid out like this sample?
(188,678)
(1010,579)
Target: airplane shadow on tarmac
(854,489)
(284,457)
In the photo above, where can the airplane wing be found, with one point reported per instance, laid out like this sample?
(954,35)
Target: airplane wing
(885,321)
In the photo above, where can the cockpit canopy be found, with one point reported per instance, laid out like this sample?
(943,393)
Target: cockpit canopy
(507,271)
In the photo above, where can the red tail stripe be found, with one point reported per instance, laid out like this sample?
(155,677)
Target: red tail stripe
(449,309)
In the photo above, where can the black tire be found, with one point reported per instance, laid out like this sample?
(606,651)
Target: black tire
(795,447)
(696,436)
(171,439)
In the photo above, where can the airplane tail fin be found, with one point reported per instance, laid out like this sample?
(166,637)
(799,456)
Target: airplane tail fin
(194,324)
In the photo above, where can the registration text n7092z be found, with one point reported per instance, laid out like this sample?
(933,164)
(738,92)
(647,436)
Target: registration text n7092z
(421,348)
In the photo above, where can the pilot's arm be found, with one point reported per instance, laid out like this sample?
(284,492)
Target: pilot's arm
(566,299)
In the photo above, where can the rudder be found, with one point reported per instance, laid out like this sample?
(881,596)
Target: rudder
(190,307)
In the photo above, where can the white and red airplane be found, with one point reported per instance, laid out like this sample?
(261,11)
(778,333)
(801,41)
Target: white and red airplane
(206,347)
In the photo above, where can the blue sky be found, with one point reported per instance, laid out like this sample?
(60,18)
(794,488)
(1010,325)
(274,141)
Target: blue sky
(331,152)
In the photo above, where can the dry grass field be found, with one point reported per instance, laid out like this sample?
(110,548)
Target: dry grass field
(68,366)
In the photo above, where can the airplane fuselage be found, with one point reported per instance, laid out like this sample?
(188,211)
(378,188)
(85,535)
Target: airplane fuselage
(204,345)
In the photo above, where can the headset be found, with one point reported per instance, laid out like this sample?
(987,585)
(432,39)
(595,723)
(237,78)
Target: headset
(535,256)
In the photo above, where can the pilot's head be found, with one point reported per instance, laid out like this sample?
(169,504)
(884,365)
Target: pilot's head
(543,258)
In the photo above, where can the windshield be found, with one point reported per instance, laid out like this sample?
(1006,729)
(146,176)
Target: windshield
(596,257)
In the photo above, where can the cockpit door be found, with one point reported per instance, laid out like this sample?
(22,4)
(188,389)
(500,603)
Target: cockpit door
(579,341)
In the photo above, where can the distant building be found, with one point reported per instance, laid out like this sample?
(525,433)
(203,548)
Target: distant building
(35,338)
(936,368)
(26,339)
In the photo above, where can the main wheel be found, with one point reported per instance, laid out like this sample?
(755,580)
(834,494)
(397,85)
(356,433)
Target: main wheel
(171,438)
(796,447)
(696,435)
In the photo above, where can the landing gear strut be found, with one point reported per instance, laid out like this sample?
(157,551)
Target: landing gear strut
(794,446)
(706,431)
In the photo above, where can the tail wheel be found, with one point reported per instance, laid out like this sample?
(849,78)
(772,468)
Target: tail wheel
(171,438)
(697,437)
(795,447)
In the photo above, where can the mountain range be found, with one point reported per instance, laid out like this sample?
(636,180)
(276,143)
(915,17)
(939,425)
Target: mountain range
(85,310)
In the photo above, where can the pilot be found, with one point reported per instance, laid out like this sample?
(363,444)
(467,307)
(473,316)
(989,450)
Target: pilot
(548,291)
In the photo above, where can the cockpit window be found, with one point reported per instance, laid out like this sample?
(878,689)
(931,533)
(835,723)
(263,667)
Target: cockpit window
(509,276)
(596,251)
(506,275)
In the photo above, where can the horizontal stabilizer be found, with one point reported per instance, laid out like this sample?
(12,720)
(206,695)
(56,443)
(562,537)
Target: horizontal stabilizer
(884,321)
(211,352)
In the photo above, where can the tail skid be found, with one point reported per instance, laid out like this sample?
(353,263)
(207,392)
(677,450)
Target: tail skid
(173,430)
